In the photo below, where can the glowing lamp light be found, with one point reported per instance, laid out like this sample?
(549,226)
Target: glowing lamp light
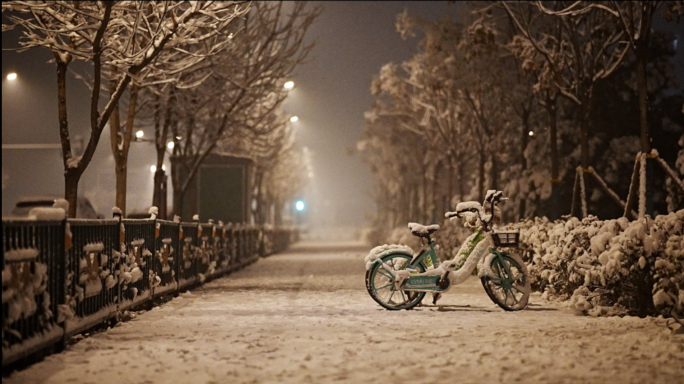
(139,134)
(289,85)
(153,168)
(299,205)
(11,76)
(294,118)
(531,133)
(170,145)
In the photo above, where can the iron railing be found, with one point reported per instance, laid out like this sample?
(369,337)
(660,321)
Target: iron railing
(60,278)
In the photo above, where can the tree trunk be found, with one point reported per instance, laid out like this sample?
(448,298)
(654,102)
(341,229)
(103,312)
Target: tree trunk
(642,85)
(121,141)
(522,207)
(494,172)
(161,132)
(175,183)
(584,134)
(259,213)
(584,152)
(71,175)
(159,193)
(71,179)
(643,99)
(461,182)
(121,181)
(278,214)
(481,176)
(433,196)
(450,186)
(550,104)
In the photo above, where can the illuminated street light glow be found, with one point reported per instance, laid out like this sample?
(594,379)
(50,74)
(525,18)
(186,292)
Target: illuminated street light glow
(139,134)
(294,118)
(153,168)
(170,145)
(531,133)
(299,205)
(11,76)
(289,85)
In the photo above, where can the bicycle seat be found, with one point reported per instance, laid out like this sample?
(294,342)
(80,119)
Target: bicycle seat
(421,230)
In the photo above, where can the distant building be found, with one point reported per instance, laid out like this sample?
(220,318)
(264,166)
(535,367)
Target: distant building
(220,190)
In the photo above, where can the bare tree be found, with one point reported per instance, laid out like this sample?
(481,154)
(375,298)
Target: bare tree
(128,36)
(189,48)
(244,88)
(582,50)
(635,18)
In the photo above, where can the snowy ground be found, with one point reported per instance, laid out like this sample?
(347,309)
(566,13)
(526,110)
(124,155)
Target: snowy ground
(305,317)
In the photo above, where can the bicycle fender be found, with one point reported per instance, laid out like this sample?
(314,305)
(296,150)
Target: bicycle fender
(484,267)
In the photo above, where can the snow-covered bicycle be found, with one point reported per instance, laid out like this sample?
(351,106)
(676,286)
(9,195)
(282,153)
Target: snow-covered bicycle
(396,278)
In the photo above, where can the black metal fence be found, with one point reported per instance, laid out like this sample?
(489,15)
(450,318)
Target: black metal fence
(60,278)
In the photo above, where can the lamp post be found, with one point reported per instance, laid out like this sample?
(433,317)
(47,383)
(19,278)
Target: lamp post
(160,180)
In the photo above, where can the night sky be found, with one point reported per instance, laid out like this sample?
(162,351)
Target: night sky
(353,40)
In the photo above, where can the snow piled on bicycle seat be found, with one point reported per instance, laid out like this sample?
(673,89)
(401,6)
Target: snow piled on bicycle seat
(422,229)
(386,249)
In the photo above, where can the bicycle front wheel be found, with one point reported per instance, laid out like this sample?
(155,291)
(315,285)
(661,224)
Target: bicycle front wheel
(381,287)
(509,283)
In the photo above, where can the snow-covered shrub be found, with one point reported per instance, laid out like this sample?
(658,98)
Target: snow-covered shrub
(558,254)
(608,267)
(668,290)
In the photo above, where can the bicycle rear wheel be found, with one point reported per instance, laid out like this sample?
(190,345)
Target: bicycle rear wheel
(509,284)
(381,287)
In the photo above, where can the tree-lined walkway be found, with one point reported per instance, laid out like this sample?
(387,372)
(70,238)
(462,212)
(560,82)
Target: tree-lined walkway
(304,317)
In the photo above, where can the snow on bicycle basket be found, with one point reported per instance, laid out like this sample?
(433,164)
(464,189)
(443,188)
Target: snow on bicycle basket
(506,239)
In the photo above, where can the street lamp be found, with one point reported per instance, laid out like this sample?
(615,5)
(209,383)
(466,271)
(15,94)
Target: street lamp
(293,119)
(139,134)
(531,133)
(12,76)
(289,85)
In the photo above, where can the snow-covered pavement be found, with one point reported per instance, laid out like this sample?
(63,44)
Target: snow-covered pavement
(304,316)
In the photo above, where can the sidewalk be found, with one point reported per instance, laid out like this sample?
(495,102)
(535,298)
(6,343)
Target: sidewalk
(304,316)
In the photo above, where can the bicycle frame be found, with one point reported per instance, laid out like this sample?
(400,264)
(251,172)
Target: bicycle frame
(427,254)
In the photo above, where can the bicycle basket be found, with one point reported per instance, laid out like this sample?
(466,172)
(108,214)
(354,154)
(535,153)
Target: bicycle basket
(506,239)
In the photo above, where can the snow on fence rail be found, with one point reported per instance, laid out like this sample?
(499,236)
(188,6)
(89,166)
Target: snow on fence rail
(61,277)
(32,285)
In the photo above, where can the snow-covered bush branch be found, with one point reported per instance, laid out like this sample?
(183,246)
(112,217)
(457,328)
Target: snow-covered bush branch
(611,266)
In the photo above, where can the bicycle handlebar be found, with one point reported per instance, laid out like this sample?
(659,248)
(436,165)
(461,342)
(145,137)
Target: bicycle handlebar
(493,197)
